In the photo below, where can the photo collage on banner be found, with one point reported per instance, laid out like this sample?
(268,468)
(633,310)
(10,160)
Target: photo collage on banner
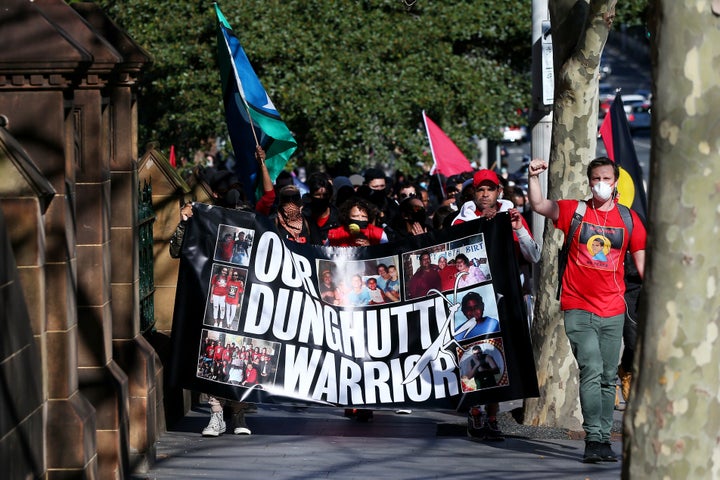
(226,357)
(237,360)
(227,282)
(346,283)
(461,270)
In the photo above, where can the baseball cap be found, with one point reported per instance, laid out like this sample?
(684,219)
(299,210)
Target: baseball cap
(485,175)
(356,179)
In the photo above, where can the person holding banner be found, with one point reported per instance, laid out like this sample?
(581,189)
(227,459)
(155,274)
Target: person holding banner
(227,192)
(591,295)
(357,228)
(487,203)
(319,211)
(289,220)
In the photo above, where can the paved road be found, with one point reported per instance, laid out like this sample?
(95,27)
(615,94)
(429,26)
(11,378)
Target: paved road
(320,443)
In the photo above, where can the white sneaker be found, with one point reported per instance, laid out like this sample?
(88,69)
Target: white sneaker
(241,427)
(216,425)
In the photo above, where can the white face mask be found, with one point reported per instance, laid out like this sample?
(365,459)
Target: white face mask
(602,191)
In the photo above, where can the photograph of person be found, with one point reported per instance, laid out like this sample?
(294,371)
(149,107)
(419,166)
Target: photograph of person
(329,292)
(482,365)
(422,274)
(469,255)
(233,299)
(233,245)
(478,313)
(359,283)
(216,305)
(377,296)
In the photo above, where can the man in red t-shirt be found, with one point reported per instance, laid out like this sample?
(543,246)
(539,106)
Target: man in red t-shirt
(232,299)
(592,291)
(219,291)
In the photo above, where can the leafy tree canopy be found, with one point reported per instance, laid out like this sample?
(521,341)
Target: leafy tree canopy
(349,78)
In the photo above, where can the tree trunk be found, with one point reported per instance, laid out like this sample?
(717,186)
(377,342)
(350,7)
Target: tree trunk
(673,419)
(579,30)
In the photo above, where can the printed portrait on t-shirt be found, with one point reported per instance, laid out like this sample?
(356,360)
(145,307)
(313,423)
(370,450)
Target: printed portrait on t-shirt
(602,246)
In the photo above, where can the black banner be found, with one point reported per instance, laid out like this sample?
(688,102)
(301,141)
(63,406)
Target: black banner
(436,321)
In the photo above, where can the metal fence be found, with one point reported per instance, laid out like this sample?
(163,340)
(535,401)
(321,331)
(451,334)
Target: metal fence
(146,219)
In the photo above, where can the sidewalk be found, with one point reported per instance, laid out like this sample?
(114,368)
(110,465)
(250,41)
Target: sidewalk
(320,443)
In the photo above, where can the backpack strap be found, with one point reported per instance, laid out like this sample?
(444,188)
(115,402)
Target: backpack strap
(626,218)
(631,271)
(565,251)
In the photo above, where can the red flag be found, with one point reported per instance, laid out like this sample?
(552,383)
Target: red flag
(615,133)
(173,161)
(447,157)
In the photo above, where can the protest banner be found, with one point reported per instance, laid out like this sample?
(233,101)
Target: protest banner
(262,319)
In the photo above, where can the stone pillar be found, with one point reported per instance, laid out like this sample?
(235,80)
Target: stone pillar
(34,77)
(130,349)
(24,197)
(101,382)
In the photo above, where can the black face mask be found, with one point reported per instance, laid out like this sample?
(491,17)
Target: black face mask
(377,197)
(319,205)
(363,224)
(418,216)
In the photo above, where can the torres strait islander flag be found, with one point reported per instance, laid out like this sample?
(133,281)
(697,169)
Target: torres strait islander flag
(615,133)
(250,115)
(447,157)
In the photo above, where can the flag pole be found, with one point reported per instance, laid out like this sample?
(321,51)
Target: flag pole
(252,125)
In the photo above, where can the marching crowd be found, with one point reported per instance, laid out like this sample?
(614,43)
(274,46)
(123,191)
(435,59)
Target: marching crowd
(375,208)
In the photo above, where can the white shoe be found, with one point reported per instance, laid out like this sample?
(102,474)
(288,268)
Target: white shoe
(216,425)
(241,427)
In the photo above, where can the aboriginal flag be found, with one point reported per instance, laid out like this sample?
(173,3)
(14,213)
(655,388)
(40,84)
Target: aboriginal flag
(615,133)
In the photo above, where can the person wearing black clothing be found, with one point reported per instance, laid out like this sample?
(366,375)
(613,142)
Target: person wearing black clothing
(375,191)
(226,191)
(319,211)
(411,219)
(288,217)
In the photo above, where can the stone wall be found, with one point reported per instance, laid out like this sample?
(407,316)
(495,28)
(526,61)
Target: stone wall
(90,401)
